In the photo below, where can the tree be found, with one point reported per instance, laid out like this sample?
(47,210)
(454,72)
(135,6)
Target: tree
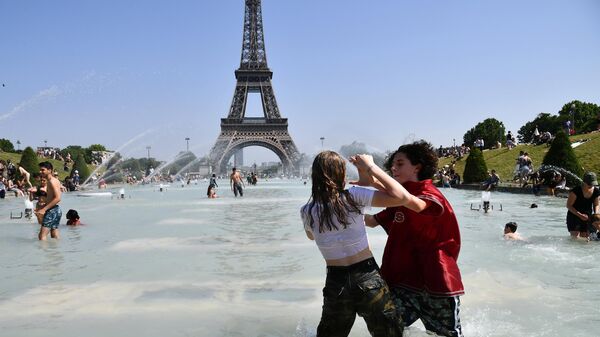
(81,167)
(29,161)
(89,153)
(584,115)
(74,150)
(6,145)
(475,168)
(561,155)
(96,147)
(544,122)
(490,130)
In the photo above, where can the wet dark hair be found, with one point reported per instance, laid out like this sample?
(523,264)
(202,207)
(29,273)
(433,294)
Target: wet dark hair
(512,225)
(46,165)
(419,152)
(328,193)
(72,215)
(533,206)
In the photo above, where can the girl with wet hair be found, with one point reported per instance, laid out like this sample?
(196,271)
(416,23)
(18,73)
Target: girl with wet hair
(334,218)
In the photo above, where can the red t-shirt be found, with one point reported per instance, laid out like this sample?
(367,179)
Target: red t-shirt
(422,248)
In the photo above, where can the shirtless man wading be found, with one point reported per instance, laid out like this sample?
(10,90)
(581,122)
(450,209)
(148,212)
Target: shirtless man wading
(236,182)
(51,212)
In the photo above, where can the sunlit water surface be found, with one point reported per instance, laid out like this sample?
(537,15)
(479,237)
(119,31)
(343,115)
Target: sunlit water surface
(177,264)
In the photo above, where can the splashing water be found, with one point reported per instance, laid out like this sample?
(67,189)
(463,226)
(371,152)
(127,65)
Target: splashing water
(104,163)
(167,163)
(546,168)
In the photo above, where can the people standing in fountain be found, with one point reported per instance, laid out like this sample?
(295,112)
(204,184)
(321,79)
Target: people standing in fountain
(236,182)
(39,193)
(334,218)
(583,201)
(51,212)
(420,257)
(211,187)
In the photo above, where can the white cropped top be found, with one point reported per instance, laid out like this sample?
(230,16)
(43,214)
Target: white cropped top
(337,244)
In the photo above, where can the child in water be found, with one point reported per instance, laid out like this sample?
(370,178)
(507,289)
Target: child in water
(420,258)
(211,193)
(594,227)
(334,218)
(73,218)
(510,231)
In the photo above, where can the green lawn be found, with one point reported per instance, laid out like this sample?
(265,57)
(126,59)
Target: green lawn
(504,160)
(58,165)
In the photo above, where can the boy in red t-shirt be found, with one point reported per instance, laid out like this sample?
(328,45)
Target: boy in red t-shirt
(419,260)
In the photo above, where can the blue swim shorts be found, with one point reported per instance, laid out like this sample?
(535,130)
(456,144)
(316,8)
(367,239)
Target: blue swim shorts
(52,217)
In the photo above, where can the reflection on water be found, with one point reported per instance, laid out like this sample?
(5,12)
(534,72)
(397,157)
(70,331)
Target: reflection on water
(178,264)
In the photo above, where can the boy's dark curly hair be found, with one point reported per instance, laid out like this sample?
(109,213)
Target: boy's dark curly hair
(419,152)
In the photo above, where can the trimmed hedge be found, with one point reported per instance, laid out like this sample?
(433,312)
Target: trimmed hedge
(475,168)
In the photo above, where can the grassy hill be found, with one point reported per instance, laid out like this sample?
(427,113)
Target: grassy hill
(504,160)
(58,165)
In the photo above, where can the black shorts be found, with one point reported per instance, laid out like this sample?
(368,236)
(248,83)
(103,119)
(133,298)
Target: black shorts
(574,224)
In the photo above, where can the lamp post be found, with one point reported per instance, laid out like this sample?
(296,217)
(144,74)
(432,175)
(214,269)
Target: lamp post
(187,144)
(322,139)
(573,117)
(148,148)
(45,143)
(18,145)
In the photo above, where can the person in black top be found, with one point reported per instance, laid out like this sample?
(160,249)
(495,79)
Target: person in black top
(583,201)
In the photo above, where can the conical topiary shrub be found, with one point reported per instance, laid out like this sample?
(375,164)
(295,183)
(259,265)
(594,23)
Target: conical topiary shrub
(475,168)
(29,161)
(561,155)
(81,167)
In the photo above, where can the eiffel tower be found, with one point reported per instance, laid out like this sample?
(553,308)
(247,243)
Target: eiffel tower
(254,76)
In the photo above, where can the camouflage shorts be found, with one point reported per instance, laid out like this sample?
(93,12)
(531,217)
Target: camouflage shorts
(357,289)
(438,314)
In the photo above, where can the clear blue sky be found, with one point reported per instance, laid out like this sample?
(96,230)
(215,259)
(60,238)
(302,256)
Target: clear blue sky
(381,72)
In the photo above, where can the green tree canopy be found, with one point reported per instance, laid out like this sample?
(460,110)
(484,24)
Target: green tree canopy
(475,168)
(544,122)
(6,145)
(74,150)
(29,161)
(584,115)
(81,167)
(561,155)
(89,153)
(96,147)
(490,130)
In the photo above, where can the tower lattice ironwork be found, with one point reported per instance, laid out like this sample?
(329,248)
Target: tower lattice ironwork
(254,76)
